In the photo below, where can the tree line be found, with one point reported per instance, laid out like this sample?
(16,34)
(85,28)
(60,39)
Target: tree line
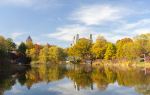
(84,49)
(126,48)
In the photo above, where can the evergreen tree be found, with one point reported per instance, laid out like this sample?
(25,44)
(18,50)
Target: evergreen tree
(22,48)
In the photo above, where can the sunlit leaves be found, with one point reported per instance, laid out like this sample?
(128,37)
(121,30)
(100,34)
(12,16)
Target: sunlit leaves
(110,51)
(99,47)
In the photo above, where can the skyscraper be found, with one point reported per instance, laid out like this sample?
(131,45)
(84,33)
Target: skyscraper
(91,38)
(76,38)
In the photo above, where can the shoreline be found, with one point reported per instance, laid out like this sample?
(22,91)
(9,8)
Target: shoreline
(123,64)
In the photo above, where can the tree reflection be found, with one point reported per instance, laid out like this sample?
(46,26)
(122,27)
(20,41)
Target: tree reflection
(47,73)
(9,73)
(82,76)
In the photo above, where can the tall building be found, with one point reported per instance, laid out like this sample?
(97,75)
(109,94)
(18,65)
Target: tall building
(91,38)
(29,39)
(74,38)
(77,37)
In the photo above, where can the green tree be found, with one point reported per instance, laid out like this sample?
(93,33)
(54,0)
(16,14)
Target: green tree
(10,44)
(22,48)
(99,47)
(3,48)
(110,51)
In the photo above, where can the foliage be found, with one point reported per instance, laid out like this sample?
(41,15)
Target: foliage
(10,44)
(143,43)
(56,54)
(6,45)
(43,56)
(34,52)
(99,47)
(22,48)
(52,54)
(120,44)
(3,49)
(130,51)
(81,49)
(110,51)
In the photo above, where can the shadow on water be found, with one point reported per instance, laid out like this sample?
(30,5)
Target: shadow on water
(9,73)
(82,77)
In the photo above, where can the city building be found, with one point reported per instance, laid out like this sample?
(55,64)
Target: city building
(77,37)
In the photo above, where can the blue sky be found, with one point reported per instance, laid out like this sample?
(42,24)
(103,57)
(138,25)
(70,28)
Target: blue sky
(57,21)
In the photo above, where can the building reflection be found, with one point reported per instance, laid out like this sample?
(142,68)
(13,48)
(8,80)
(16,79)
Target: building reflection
(82,77)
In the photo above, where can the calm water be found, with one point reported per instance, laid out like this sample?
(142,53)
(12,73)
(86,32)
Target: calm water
(73,80)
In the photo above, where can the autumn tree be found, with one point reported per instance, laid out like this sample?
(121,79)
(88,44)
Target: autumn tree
(143,43)
(52,54)
(73,55)
(99,47)
(34,52)
(110,51)
(44,54)
(81,49)
(56,54)
(130,51)
(120,44)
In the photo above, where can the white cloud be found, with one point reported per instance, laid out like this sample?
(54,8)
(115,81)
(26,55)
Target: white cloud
(97,14)
(134,28)
(142,31)
(15,35)
(66,33)
(127,30)
(137,24)
(123,30)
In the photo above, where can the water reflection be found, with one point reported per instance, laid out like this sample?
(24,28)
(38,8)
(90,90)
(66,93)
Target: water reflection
(83,78)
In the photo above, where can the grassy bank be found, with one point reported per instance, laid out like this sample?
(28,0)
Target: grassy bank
(123,64)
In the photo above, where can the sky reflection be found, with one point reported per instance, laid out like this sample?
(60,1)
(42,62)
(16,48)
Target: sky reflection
(66,87)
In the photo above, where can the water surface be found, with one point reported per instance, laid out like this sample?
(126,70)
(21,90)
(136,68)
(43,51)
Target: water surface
(73,80)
